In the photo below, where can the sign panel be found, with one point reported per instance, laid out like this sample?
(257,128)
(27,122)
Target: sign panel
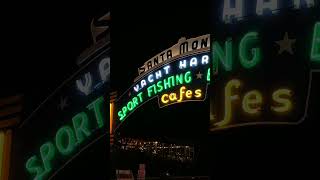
(178,80)
(261,67)
(184,46)
(67,123)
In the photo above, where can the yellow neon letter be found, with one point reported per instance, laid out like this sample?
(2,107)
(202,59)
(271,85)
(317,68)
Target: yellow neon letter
(173,96)
(198,93)
(284,102)
(189,94)
(163,100)
(252,102)
(227,102)
(182,91)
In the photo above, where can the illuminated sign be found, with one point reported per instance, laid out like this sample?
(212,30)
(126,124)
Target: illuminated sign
(252,104)
(182,95)
(66,124)
(236,10)
(243,105)
(66,140)
(263,69)
(87,85)
(178,80)
(183,47)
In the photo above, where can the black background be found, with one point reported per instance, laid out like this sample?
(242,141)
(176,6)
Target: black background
(40,44)
(272,152)
(41,41)
(140,30)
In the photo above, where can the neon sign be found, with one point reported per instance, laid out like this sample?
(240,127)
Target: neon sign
(88,83)
(130,106)
(252,103)
(184,93)
(262,69)
(152,77)
(246,45)
(67,139)
(182,48)
(179,80)
(239,9)
(252,106)
(66,123)
(166,70)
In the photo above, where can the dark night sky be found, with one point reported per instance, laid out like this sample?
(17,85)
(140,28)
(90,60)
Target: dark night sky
(144,29)
(141,30)
(40,46)
(248,152)
(41,43)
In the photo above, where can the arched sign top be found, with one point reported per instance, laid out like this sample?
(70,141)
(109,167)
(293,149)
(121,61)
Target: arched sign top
(181,73)
(182,48)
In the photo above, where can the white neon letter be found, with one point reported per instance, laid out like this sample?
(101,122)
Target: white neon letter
(272,5)
(104,69)
(298,4)
(143,83)
(86,87)
(158,74)
(193,62)
(150,78)
(205,59)
(136,88)
(167,69)
(182,64)
(235,12)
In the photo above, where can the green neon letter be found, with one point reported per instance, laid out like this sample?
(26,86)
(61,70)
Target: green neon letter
(65,140)
(245,51)
(34,168)
(171,79)
(179,79)
(97,106)
(160,86)
(135,102)
(121,115)
(140,97)
(315,51)
(166,83)
(208,75)
(150,90)
(187,77)
(130,106)
(81,126)
(124,110)
(225,58)
(47,153)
